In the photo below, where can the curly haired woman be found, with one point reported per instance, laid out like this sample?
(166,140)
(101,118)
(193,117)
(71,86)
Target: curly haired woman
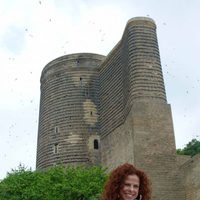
(127,183)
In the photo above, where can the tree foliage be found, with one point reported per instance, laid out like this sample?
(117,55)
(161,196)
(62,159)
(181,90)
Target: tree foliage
(192,148)
(63,183)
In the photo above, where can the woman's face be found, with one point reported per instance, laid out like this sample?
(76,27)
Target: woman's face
(130,188)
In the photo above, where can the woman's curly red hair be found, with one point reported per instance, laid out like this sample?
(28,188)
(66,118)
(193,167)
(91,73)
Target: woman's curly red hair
(117,178)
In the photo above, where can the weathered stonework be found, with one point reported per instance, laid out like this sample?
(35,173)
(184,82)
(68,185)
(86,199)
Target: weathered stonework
(190,177)
(69,111)
(110,110)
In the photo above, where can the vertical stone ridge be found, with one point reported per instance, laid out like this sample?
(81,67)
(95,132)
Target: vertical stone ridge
(146,78)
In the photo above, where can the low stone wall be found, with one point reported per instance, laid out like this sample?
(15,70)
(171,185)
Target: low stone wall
(190,171)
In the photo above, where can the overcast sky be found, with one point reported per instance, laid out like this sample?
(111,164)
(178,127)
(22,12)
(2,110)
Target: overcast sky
(33,32)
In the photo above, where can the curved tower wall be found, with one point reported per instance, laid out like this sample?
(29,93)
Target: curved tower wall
(146,78)
(68,122)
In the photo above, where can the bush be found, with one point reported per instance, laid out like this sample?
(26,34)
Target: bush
(63,183)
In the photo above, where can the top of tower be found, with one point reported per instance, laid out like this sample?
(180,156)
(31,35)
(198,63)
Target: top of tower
(74,61)
(74,56)
(141,20)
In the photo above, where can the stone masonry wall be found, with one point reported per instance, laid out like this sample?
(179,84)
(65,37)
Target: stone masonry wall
(131,72)
(190,177)
(117,147)
(154,148)
(69,111)
(111,92)
(143,60)
(132,90)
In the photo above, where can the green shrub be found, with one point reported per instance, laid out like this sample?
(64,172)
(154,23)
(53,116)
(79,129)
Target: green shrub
(56,183)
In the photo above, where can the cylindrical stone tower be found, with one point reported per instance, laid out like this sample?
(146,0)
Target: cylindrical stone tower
(68,121)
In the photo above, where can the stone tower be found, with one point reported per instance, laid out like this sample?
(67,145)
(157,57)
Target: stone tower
(68,122)
(134,114)
(110,110)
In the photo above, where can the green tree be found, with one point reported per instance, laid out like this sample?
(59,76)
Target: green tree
(192,148)
(63,183)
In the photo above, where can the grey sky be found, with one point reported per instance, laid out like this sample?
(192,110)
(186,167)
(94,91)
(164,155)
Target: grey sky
(32,33)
